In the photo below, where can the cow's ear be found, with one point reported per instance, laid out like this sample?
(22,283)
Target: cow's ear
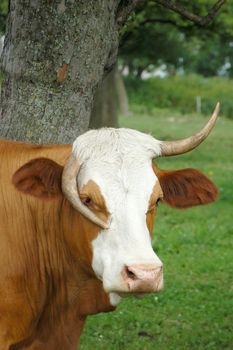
(41,177)
(186,188)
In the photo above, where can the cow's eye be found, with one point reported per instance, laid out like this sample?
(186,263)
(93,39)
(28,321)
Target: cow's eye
(86,201)
(158,200)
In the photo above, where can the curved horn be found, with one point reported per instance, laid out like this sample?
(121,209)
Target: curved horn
(69,187)
(172,148)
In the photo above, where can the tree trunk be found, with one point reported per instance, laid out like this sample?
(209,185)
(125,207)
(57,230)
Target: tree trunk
(55,54)
(104,111)
(110,100)
(122,95)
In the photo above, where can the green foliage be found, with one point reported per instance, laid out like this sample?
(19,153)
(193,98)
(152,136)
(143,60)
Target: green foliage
(152,44)
(155,36)
(3,15)
(179,93)
(195,309)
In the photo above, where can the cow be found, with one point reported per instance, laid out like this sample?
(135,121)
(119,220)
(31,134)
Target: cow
(75,228)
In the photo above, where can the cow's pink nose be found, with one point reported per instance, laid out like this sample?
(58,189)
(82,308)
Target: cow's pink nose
(143,278)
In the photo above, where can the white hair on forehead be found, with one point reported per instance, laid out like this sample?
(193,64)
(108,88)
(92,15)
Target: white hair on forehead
(110,143)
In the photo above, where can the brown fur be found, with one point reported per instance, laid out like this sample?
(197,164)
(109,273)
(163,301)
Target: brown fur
(97,204)
(39,177)
(156,194)
(186,188)
(47,286)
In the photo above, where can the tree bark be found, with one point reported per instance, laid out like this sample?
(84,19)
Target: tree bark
(55,54)
(110,100)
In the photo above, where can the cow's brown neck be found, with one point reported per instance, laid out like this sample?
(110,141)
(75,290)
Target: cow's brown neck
(48,292)
(69,287)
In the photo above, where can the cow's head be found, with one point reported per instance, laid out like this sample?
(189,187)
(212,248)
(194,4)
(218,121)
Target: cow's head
(110,179)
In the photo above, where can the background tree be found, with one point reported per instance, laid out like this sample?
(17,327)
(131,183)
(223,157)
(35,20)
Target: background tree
(3,15)
(55,55)
(151,48)
(155,38)
(109,101)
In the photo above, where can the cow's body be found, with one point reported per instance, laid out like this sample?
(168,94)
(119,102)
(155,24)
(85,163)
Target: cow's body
(44,294)
(75,230)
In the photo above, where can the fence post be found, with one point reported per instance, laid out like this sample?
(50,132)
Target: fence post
(198,104)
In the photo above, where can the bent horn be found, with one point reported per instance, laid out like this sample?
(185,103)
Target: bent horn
(70,189)
(172,148)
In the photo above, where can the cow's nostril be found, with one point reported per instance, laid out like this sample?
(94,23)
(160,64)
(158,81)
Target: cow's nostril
(130,274)
(143,278)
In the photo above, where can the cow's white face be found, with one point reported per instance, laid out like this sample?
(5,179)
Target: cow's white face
(113,167)
(120,165)
(114,173)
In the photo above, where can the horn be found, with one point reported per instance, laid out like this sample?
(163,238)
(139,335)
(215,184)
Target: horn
(172,148)
(70,189)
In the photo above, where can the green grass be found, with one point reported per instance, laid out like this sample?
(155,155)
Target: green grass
(195,310)
(179,93)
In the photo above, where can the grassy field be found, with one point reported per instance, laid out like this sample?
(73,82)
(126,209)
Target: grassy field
(195,310)
(179,93)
